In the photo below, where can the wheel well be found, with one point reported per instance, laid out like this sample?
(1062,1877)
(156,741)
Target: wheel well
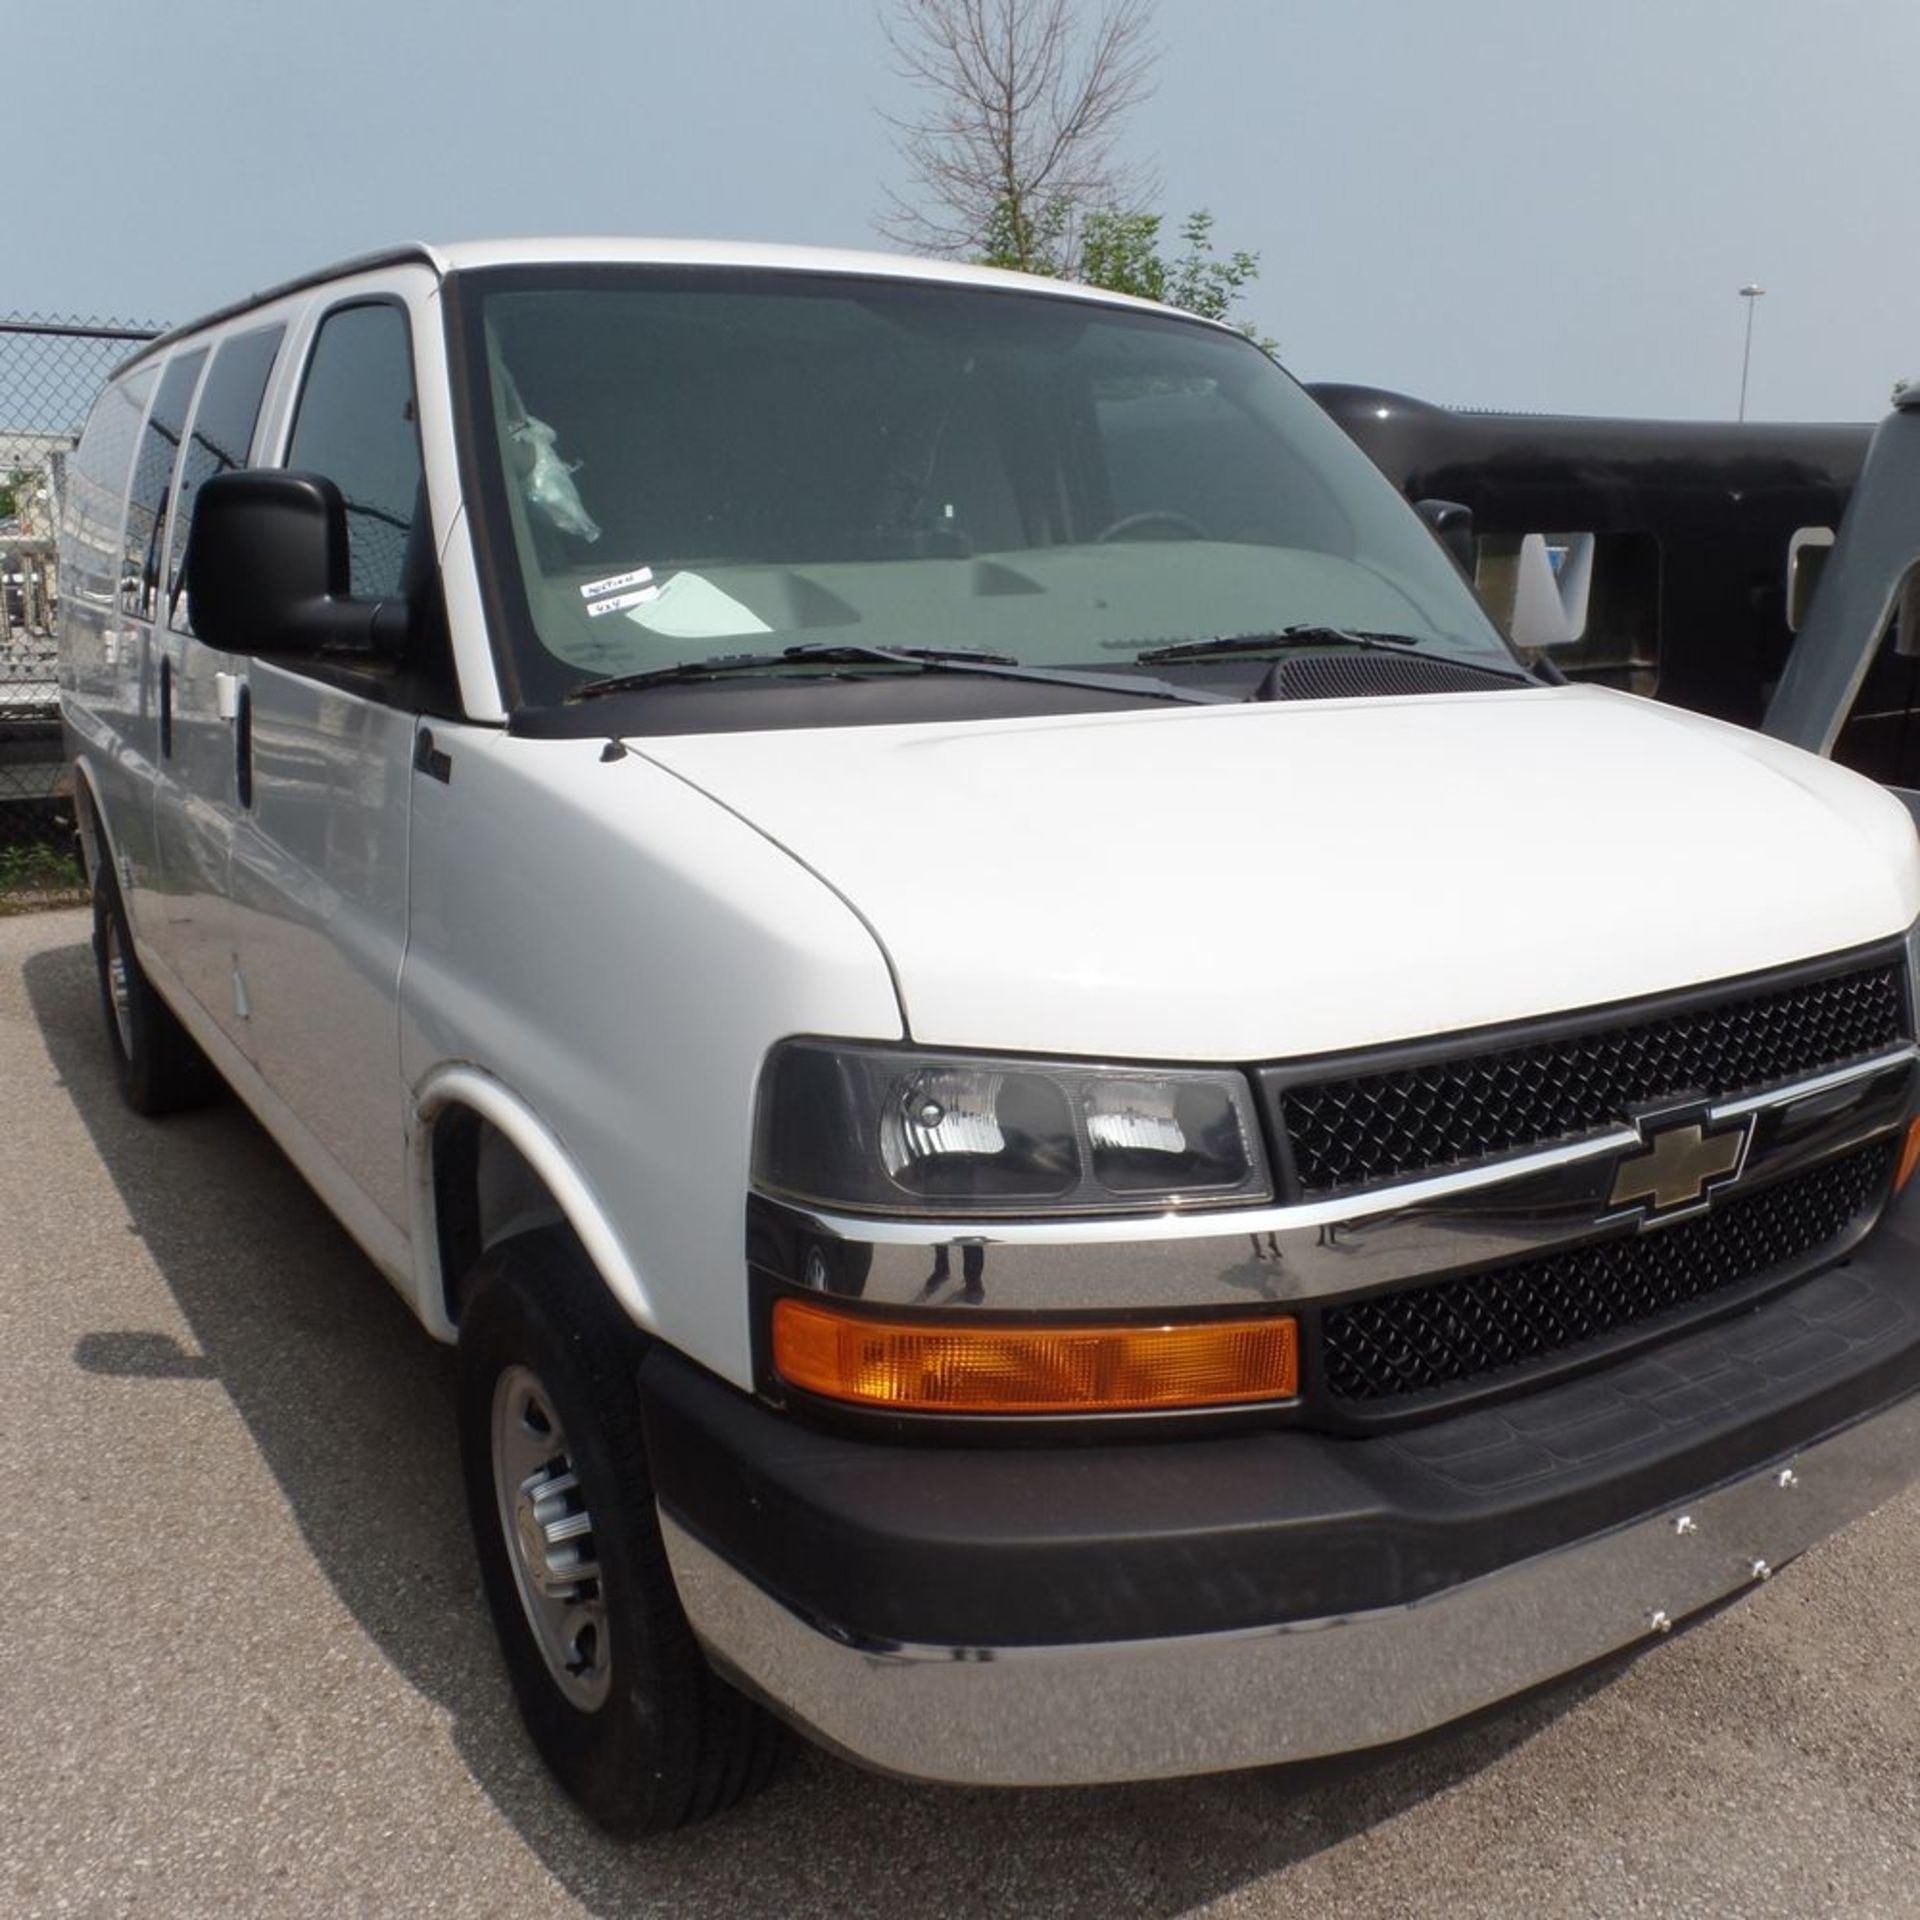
(86,826)
(484,1191)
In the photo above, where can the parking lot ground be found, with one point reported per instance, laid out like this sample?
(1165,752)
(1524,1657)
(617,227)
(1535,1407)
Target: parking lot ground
(245,1668)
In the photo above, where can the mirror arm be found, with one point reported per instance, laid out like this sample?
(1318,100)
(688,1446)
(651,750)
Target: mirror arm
(391,626)
(347,630)
(1452,525)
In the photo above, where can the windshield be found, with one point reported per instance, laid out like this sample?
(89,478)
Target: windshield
(682,466)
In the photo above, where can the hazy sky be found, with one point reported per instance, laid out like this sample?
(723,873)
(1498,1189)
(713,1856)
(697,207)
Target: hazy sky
(1514,203)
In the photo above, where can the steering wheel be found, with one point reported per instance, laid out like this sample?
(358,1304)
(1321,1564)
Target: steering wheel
(1176,526)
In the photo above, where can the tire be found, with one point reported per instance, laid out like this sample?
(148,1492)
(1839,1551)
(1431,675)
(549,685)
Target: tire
(610,1680)
(160,1068)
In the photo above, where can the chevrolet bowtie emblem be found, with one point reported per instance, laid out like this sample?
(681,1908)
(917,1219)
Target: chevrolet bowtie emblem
(1678,1167)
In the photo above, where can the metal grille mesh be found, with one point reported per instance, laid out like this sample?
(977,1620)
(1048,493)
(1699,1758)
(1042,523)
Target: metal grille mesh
(1326,676)
(1455,1330)
(1379,1126)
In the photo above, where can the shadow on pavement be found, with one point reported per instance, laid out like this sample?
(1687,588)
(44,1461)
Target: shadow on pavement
(351,1407)
(127,1355)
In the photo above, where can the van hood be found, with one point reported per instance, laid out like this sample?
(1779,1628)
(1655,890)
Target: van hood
(1251,882)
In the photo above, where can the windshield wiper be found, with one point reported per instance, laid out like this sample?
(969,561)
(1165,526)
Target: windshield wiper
(716,665)
(997,666)
(1306,635)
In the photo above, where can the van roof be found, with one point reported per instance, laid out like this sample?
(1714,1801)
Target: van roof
(470,255)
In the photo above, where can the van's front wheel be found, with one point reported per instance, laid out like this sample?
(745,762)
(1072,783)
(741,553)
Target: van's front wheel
(610,1681)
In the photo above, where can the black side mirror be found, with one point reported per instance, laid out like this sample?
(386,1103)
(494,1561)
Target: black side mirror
(266,570)
(1452,525)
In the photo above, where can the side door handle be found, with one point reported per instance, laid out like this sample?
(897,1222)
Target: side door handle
(233,701)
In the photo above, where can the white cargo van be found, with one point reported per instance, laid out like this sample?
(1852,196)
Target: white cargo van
(1070,1129)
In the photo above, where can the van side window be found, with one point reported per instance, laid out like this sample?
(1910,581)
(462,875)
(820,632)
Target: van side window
(356,426)
(152,478)
(91,514)
(222,436)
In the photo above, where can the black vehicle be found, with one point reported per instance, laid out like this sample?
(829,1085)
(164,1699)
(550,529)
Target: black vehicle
(1682,532)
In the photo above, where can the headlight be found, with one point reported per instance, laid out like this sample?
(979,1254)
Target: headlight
(889,1129)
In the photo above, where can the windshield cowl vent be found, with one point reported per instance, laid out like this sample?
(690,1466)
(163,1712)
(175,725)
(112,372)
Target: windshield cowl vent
(1328,676)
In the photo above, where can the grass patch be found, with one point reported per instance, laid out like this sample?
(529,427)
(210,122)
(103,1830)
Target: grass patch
(36,876)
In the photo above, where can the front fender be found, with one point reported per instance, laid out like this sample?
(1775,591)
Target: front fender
(479,1093)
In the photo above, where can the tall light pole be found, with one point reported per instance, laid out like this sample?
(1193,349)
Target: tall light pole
(1749,294)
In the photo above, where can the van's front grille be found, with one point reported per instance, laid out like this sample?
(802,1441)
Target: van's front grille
(1464,1329)
(1443,1112)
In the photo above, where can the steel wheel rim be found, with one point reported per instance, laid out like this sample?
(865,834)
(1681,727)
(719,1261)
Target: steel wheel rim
(119,988)
(548,1534)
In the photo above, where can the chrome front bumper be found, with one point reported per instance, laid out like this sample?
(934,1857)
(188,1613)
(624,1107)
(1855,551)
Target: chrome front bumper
(1139,1709)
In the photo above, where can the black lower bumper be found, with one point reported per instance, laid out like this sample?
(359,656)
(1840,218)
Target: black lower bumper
(887,1544)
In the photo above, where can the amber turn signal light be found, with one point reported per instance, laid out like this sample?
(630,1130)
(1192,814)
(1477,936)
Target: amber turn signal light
(1068,1367)
(1909,1156)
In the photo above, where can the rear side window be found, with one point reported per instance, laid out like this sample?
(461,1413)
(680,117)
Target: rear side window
(356,426)
(90,517)
(222,435)
(152,478)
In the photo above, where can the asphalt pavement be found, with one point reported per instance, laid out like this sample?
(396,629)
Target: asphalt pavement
(245,1666)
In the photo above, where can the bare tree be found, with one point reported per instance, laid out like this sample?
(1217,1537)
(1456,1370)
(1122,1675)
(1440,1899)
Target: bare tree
(1020,111)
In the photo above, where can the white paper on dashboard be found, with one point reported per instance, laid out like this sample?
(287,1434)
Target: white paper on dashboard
(689,607)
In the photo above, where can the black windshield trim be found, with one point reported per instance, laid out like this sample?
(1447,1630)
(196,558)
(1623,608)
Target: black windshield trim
(778,703)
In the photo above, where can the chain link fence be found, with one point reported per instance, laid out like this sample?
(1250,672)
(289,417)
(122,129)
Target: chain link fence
(51,367)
